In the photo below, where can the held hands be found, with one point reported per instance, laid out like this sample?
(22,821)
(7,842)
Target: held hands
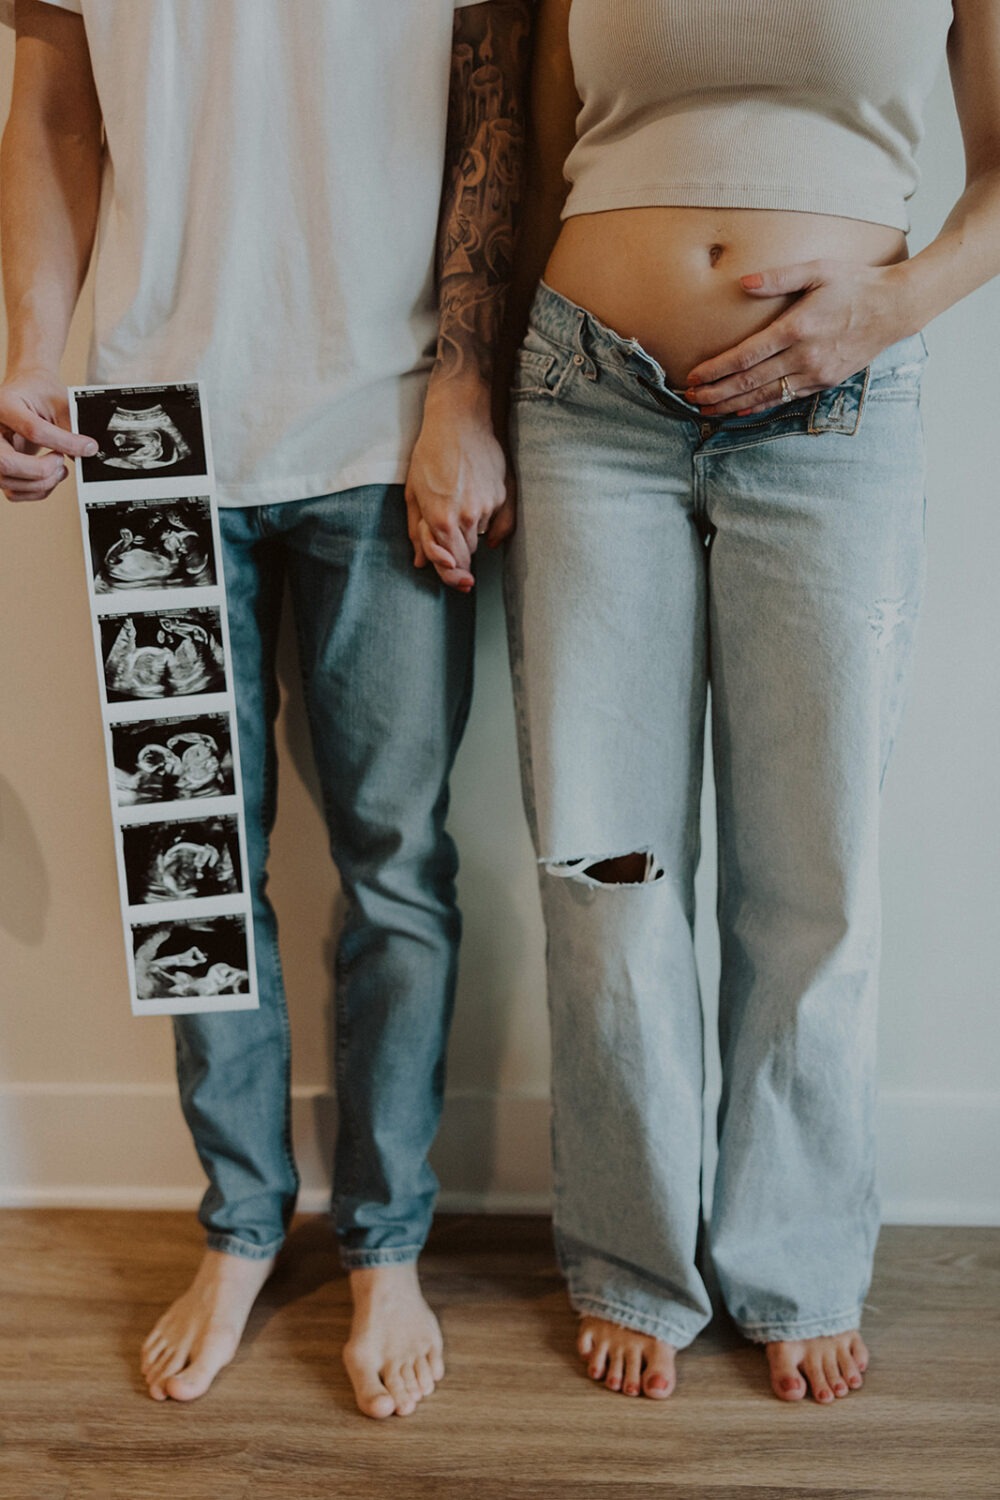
(844,315)
(458,490)
(34,415)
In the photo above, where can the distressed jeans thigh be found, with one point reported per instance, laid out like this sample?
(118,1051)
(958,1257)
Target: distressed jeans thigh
(606,609)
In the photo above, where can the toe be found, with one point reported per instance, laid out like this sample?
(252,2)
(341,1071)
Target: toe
(598,1366)
(849,1371)
(373,1400)
(813,1367)
(834,1379)
(632,1378)
(152,1348)
(425,1376)
(403,1402)
(412,1382)
(659,1377)
(161,1372)
(372,1397)
(193,1382)
(585,1342)
(859,1352)
(616,1368)
(436,1361)
(167,1363)
(786,1382)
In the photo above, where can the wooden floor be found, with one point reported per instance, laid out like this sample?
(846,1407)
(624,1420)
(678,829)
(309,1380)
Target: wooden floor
(514,1419)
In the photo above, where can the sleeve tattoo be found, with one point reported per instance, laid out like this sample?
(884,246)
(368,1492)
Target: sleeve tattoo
(484,176)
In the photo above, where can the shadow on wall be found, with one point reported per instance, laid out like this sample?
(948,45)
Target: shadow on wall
(501,970)
(25,892)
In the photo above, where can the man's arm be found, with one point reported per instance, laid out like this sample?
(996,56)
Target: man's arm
(457,488)
(50,178)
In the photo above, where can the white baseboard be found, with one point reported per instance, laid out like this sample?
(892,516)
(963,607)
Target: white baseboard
(126,1146)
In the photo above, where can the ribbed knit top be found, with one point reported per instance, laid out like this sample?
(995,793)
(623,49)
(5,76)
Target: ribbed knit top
(815,105)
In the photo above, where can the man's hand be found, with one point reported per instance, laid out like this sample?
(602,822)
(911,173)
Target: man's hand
(844,316)
(458,489)
(34,416)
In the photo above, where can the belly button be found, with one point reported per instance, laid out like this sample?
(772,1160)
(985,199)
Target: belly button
(715,253)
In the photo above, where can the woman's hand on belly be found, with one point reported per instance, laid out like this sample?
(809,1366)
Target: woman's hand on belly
(843,316)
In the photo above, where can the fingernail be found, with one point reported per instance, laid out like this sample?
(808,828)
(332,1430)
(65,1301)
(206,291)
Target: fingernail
(90,450)
(752,281)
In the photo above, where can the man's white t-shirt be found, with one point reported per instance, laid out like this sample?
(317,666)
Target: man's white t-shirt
(268,224)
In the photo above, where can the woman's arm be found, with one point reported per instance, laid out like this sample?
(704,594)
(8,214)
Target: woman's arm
(50,177)
(847,314)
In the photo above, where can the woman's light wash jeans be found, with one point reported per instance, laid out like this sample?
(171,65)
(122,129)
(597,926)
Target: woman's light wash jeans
(386,659)
(779,559)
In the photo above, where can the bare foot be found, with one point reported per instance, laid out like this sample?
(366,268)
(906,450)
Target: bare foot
(394,1353)
(626,1361)
(828,1367)
(201,1332)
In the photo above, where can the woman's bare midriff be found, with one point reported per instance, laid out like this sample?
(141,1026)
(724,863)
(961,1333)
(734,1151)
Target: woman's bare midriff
(669,277)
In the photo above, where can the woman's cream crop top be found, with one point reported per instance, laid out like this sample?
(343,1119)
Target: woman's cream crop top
(813,105)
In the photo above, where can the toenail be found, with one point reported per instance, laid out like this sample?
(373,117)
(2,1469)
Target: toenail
(631,1390)
(790,1384)
(657,1382)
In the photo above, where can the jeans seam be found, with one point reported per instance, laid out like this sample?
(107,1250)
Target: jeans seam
(769,1330)
(624,1317)
(232,1244)
(398,1255)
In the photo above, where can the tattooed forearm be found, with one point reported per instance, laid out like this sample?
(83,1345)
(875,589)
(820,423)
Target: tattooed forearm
(483,180)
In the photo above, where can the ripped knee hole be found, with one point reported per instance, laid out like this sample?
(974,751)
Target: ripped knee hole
(639,868)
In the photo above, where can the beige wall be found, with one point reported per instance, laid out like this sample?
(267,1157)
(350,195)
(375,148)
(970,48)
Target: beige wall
(87,1109)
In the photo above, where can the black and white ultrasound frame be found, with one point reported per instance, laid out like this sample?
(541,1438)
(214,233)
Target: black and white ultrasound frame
(119,712)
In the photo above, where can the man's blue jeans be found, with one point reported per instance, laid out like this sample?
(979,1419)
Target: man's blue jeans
(386,656)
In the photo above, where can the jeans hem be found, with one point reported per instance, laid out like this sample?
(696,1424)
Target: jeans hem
(363,1260)
(624,1317)
(231,1244)
(810,1328)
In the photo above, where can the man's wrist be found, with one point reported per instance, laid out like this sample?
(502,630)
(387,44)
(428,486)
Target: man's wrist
(461,395)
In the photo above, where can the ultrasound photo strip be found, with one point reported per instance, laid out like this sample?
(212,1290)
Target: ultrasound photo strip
(161,638)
